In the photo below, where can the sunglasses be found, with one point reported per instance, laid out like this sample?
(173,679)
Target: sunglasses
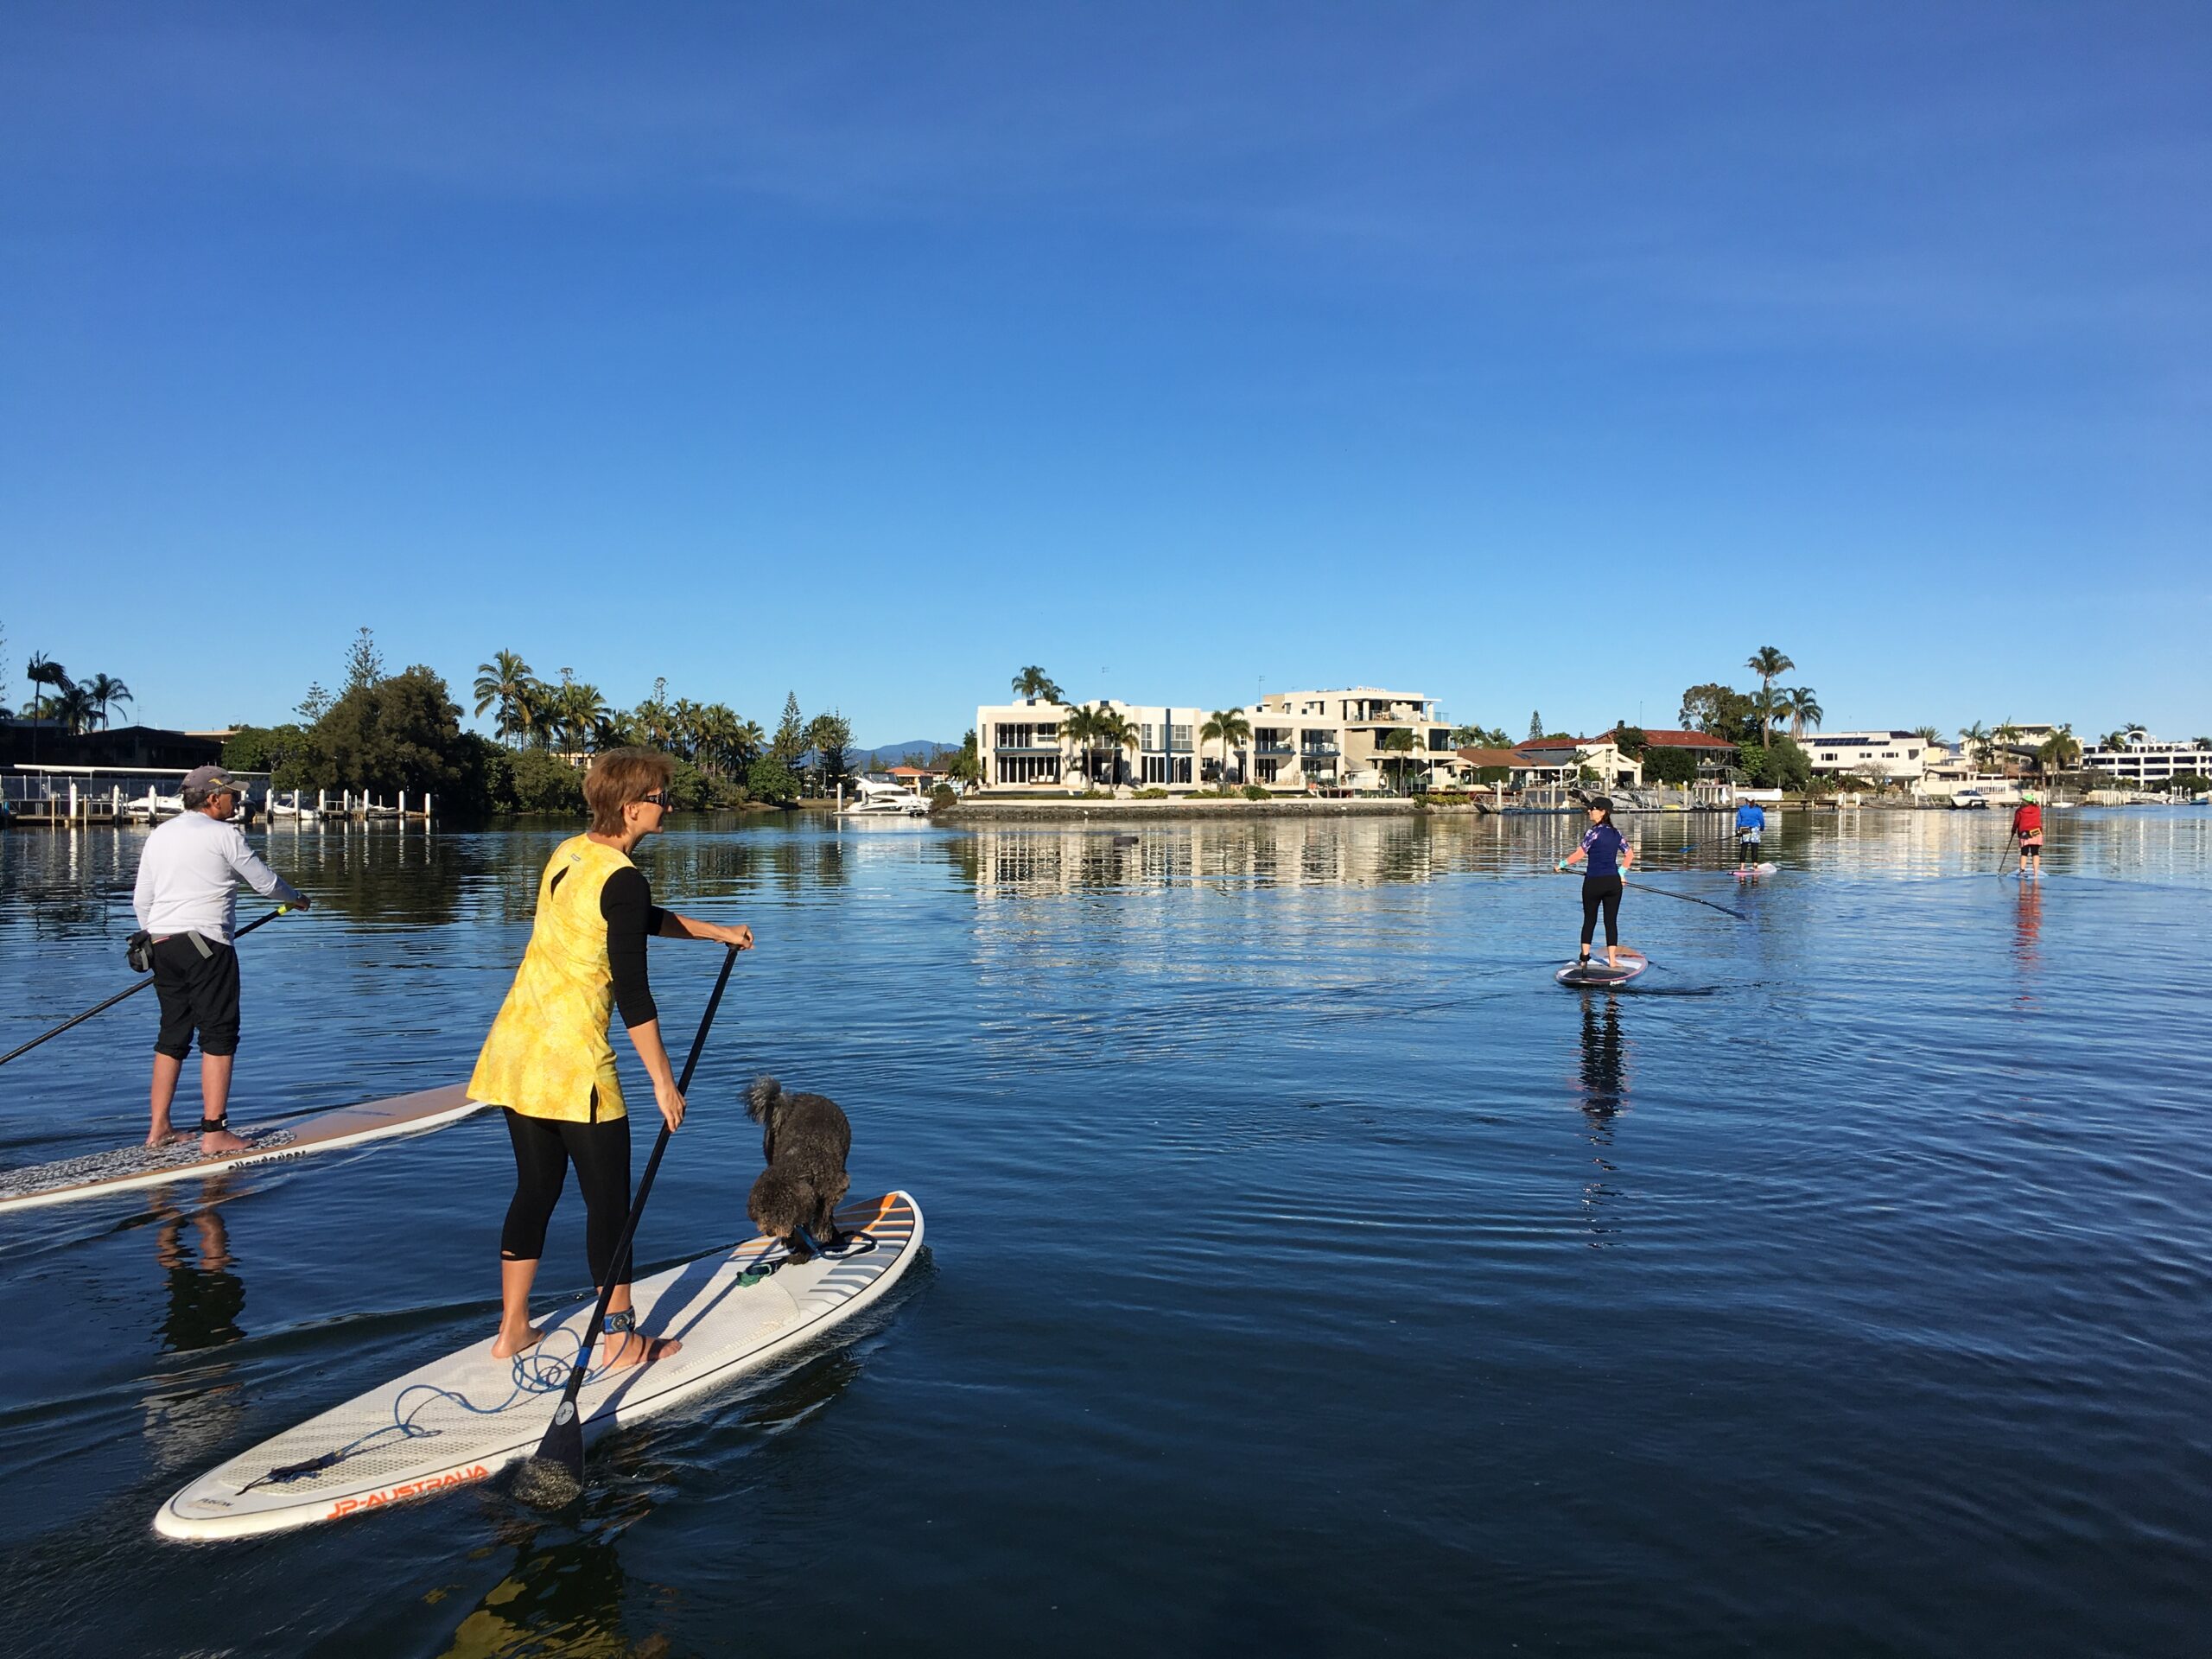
(659,797)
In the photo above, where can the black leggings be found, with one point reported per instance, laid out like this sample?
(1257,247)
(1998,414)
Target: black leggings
(543,1149)
(1603,889)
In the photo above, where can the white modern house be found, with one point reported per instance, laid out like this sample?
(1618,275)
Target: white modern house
(1345,740)
(1890,757)
(2146,762)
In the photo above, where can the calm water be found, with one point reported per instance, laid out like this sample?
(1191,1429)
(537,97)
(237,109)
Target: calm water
(1309,1273)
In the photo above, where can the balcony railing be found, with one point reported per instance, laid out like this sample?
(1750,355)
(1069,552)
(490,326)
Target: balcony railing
(1026,749)
(1273,749)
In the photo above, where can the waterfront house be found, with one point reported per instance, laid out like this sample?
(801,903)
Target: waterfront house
(1880,757)
(2144,762)
(1572,759)
(1301,742)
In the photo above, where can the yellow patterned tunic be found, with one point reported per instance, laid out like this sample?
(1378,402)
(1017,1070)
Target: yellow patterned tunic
(547,1050)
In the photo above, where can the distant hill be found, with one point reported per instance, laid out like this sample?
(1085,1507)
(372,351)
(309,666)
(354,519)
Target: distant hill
(890,754)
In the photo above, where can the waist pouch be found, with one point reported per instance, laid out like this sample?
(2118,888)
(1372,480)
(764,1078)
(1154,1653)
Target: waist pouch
(139,950)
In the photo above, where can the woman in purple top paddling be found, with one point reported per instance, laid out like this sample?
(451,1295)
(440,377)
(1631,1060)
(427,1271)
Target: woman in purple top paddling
(1609,856)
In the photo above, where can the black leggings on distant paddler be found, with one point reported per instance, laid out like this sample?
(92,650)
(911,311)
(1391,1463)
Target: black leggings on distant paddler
(543,1150)
(1601,890)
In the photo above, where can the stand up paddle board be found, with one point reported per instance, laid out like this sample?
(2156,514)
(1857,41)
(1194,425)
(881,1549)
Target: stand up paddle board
(1745,872)
(461,1418)
(98,1174)
(1594,972)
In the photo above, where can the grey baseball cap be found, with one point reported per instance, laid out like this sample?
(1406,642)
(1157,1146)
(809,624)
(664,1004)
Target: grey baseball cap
(212,779)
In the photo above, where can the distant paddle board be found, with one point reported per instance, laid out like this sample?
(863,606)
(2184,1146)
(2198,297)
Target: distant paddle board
(1745,872)
(736,1311)
(126,1168)
(1594,973)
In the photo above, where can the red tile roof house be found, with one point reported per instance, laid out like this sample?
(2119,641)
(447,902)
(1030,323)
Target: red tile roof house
(921,779)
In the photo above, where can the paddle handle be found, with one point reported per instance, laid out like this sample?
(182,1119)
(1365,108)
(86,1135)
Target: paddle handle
(619,1273)
(132,990)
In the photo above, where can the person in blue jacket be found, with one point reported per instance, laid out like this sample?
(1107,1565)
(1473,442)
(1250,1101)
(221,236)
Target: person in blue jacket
(1608,856)
(1750,824)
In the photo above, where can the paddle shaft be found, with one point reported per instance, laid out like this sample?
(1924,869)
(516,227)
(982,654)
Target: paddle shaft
(102,1007)
(564,1416)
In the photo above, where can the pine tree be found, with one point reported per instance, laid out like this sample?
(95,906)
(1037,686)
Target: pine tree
(1536,725)
(314,705)
(790,732)
(364,662)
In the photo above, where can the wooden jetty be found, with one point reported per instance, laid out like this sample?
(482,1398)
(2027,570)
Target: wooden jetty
(71,797)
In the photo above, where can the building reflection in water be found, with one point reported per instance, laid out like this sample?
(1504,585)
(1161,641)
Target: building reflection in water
(1602,1086)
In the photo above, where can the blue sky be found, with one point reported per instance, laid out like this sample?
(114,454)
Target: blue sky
(1534,357)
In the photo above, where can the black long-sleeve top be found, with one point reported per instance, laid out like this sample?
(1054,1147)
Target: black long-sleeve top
(626,901)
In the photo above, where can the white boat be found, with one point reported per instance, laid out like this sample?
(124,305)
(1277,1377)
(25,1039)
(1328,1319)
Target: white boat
(872,798)
(154,804)
(292,809)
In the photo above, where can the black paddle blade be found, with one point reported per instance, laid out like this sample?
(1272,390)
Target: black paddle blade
(554,1476)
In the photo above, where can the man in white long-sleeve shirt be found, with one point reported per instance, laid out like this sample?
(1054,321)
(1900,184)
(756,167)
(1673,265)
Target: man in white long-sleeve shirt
(187,898)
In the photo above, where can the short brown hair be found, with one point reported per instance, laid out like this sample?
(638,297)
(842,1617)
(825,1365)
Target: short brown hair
(619,777)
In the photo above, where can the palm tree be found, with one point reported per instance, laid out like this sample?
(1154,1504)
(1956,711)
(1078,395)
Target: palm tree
(1804,709)
(1115,733)
(1228,728)
(1079,727)
(748,741)
(1927,733)
(579,713)
(1395,744)
(75,708)
(1769,665)
(42,670)
(105,688)
(1769,705)
(506,681)
(2005,737)
(1033,682)
(2059,751)
(1974,740)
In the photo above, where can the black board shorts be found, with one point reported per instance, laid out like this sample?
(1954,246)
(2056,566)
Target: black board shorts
(198,993)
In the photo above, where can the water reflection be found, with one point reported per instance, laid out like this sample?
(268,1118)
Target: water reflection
(1602,1081)
(195,1405)
(194,1249)
(564,1593)
(1010,861)
(2027,934)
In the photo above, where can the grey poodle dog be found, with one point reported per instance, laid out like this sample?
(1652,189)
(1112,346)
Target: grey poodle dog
(805,1139)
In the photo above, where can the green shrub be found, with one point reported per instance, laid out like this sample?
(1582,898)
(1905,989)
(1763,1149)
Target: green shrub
(1254,792)
(769,780)
(1152,793)
(539,781)
(942,796)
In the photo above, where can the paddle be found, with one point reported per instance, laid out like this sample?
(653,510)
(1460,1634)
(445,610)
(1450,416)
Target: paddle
(554,1475)
(1684,897)
(102,1007)
(1689,898)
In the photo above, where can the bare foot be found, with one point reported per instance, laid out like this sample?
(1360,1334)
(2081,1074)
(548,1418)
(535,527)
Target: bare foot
(163,1135)
(630,1348)
(506,1347)
(214,1145)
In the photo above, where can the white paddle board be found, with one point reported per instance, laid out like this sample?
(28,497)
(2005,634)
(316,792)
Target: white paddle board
(1745,872)
(1595,974)
(98,1174)
(736,1311)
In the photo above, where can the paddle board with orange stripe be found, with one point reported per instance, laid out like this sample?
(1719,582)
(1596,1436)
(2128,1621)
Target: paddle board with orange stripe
(463,1418)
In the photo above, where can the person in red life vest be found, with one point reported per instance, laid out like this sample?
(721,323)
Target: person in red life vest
(2027,827)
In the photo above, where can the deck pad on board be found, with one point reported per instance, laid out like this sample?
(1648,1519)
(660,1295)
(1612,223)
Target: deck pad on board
(1594,972)
(125,1168)
(736,1311)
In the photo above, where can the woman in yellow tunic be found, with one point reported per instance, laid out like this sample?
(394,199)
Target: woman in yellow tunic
(548,1060)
